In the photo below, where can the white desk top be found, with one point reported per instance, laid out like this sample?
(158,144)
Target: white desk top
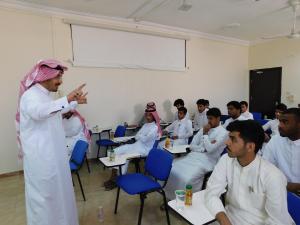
(176,149)
(119,159)
(131,127)
(100,130)
(122,139)
(197,213)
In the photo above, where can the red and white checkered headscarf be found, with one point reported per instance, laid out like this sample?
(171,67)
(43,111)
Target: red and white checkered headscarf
(84,124)
(42,71)
(151,108)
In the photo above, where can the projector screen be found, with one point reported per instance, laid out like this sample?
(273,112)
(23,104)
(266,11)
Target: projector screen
(96,47)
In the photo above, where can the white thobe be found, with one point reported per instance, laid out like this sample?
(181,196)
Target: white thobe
(247,115)
(273,125)
(205,152)
(145,139)
(49,191)
(181,128)
(229,120)
(256,194)
(74,131)
(285,155)
(187,115)
(200,119)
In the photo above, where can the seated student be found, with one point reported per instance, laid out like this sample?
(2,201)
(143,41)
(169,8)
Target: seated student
(178,103)
(200,119)
(284,150)
(145,139)
(206,103)
(256,189)
(234,111)
(181,129)
(143,120)
(75,129)
(206,148)
(245,113)
(273,124)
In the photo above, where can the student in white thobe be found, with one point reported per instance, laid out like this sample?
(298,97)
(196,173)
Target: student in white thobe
(145,139)
(49,191)
(273,124)
(180,129)
(245,113)
(256,189)
(284,150)
(74,131)
(178,103)
(206,148)
(234,111)
(200,119)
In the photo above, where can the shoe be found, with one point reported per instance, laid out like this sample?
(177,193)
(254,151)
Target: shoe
(105,183)
(110,186)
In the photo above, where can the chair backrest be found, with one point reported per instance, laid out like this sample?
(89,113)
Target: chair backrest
(257,115)
(79,151)
(223,118)
(262,121)
(224,151)
(159,164)
(294,206)
(120,131)
(155,144)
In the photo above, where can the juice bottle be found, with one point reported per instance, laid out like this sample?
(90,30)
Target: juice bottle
(188,195)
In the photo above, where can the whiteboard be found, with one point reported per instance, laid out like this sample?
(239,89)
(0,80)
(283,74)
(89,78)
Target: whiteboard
(97,47)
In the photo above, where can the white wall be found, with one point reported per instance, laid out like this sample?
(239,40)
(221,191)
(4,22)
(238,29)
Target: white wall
(284,53)
(217,71)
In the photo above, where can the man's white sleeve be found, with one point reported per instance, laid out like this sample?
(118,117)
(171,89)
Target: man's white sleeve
(216,186)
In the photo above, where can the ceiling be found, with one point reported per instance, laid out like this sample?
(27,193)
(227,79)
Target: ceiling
(241,19)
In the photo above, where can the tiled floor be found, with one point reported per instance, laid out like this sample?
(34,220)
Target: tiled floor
(12,204)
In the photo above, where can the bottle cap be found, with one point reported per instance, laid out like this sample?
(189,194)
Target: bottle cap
(188,186)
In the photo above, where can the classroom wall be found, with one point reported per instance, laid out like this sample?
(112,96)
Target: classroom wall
(217,71)
(285,53)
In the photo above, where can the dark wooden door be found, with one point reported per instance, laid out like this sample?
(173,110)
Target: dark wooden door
(265,90)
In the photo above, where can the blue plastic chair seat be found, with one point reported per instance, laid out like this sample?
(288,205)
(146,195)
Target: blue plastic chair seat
(73,166)
(137,183)
(105,142)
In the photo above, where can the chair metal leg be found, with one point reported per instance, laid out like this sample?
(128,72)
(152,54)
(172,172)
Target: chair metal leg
(98,151)
(72,181)
(166,207)
(117,200)
(82,192)
(142,196)
(87,163)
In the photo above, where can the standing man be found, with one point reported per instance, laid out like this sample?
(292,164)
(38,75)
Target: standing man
(49,191)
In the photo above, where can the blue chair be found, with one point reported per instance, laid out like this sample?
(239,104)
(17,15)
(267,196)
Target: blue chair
(224,118)
(294,206)
(257,115)
(158,166)
(120,132)
(262,121)
(136,161)
(77,159)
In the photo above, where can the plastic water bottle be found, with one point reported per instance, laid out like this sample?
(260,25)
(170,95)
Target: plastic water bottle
(100,214)
(189,195)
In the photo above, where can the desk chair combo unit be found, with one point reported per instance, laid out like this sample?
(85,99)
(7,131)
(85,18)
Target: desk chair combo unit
(107,143)
(157,168)
(77,159)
